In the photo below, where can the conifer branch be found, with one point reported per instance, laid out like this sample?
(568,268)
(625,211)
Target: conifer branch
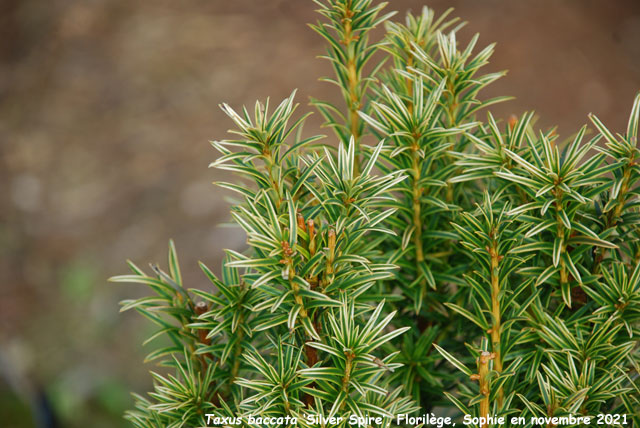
(373,278)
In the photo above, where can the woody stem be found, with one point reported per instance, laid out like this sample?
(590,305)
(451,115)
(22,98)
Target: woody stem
(495,310)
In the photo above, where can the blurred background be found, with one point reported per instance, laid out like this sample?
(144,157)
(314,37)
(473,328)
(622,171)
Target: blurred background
(106,110)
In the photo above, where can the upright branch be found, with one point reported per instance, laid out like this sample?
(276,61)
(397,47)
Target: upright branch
(460,70)
(561,187)
(414,134)
(622,150)
(306,254)
(417,30)
(490,236)
(347,27)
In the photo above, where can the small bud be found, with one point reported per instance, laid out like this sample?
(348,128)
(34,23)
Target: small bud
(301,222)
(286,249)
(513,121)
(201,308)
(312,237)
(332,240)
(331,250)
(485,357)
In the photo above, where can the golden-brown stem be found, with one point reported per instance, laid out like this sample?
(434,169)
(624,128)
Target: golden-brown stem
(564,275)
(270,164)
(613,216)
(237,352)
(410,82)
(495,311)
(452,100)
(483,379)
(295,288)
(417,216)
(353,100)
(347,371)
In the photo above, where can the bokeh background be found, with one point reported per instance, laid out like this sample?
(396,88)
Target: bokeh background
(106,110)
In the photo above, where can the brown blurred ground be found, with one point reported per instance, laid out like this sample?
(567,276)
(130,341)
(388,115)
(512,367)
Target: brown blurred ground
(106,107)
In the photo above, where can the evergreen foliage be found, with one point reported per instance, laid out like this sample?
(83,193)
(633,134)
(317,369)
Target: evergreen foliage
(438,257)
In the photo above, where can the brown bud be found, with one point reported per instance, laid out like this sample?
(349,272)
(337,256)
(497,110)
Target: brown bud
(513,121)
(312,237)
(332,250)
(301,222)
(286,249)
(332,240)
(485,357)
(201,308)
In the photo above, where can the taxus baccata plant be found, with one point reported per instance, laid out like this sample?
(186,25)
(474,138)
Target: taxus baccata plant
(434,258)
